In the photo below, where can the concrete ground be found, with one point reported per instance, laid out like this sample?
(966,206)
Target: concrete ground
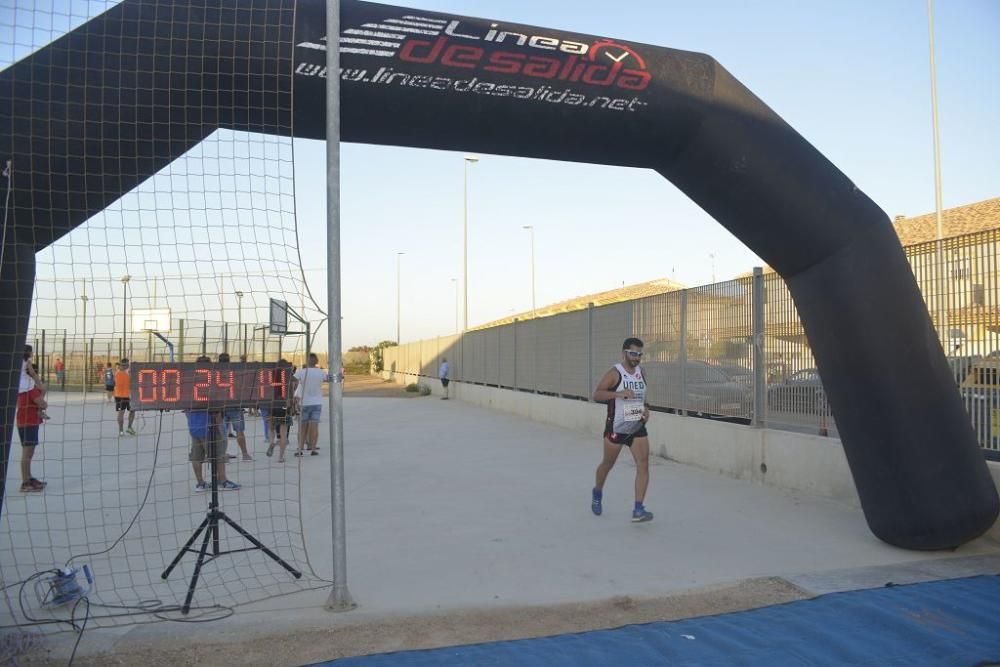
(466,525)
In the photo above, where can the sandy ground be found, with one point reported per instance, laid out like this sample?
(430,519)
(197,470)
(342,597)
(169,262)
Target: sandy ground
(352,636)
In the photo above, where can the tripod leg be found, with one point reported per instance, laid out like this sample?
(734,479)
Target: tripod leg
(180,554)
(197,570)
(257,543)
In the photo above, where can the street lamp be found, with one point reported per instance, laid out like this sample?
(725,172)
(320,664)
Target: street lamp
(125,280)
(454,282)
(469,159)
(942,301)
(398,255)
(239,322)
(531,230)
(711,256)
(86,371)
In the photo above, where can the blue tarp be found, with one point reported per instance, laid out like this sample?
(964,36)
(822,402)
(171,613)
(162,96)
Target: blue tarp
(954,622)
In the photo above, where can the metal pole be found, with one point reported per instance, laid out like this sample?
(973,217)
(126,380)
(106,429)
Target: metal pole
(941,271)
(759,417)
(125,280)
(465,243)
(531,231)
(340,598)
(454,282)
(83,297)
(934,113)
(398,256)
(239,323)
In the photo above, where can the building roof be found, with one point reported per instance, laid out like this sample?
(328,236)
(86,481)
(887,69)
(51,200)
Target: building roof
(625,293)
(957,221)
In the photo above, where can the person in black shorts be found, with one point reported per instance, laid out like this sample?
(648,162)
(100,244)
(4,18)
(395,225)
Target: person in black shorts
(279,416)
(623,389)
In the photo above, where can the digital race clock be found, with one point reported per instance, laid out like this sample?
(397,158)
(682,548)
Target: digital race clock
(187,386)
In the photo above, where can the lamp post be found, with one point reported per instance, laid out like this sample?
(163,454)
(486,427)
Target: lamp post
(86,371)
(531,230)
(125,280)
(469,159)
(942,301)
(239,323)
(711,256)
(398,256)
(454,282)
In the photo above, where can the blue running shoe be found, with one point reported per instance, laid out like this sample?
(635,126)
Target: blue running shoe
(595,502)
(640,514)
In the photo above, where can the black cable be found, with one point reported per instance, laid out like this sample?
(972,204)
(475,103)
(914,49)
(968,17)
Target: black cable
(72,616)
(142,505)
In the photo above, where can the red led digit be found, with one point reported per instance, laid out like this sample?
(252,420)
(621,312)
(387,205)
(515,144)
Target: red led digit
(280,383)
(225,385)
(260,383)
(143,397)
(198,386)
(168,395)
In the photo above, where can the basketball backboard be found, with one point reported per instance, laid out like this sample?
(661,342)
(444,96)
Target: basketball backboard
(279,317)
(151,319)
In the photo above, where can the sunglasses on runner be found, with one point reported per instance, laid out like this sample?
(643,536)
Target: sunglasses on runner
(633,353)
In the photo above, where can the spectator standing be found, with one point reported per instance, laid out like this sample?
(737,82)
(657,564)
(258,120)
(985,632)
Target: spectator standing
(309,396)
(28,420)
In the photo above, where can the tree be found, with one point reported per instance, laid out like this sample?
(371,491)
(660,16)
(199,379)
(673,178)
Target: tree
(378,364)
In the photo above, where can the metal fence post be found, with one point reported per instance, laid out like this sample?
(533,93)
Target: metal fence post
(180,340)
(682,353)
(514,333)
(65,360)
(759,418)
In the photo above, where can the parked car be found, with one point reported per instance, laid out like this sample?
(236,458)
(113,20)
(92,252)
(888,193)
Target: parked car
(708,391)
(800,392)
(736,373)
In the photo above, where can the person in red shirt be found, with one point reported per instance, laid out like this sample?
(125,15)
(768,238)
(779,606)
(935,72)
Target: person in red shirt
(29,417)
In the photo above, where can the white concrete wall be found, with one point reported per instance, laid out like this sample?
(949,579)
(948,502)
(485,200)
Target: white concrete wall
(797,461)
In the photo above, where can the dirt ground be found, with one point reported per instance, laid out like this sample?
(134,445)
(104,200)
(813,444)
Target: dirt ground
(359,635)
(369,386)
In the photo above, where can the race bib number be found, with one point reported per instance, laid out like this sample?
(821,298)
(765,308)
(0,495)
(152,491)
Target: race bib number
(633,410)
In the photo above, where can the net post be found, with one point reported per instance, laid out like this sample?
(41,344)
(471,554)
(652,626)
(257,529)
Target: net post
(17,274)
(340,597)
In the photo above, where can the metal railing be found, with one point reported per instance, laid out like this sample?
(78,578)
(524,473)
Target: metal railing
(733,350)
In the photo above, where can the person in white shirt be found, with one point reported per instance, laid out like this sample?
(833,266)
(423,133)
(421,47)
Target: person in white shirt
(309,398)
(623,389)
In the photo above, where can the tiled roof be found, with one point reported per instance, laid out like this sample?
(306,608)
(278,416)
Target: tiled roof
(626,293)
(968,219)
(960,220)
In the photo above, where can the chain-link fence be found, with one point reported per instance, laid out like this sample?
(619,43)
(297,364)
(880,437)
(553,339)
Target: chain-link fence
(733,350)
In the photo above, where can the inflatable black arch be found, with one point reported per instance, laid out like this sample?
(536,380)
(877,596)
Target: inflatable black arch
(91,116)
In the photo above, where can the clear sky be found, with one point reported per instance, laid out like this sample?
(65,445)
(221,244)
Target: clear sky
(852,76)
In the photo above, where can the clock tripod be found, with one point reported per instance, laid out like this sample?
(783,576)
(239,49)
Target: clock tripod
(210,527)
